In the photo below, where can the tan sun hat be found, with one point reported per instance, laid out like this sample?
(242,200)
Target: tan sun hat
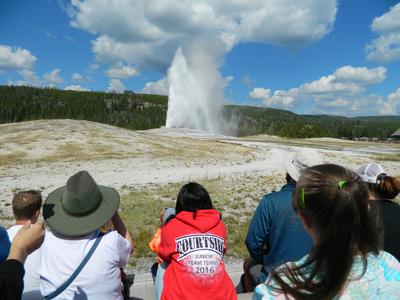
(80,207)
(296,163)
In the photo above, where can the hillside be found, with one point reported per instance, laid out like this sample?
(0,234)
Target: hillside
(143,111)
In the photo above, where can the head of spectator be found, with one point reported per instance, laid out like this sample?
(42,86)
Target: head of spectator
(295,163)
(332,203)
(380,185)
(193,197)
(80,207)
(26,206)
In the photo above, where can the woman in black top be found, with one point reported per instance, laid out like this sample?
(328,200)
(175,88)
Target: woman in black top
(383,190)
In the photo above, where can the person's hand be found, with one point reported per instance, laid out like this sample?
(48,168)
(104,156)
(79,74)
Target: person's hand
(29,238)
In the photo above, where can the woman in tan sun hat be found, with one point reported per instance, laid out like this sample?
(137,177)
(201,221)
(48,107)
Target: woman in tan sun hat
(78,261)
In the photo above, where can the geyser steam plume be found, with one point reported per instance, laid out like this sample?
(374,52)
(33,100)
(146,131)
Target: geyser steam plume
(196,91)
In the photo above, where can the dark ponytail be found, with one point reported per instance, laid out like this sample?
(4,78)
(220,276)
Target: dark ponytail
(335,201)
(386,187)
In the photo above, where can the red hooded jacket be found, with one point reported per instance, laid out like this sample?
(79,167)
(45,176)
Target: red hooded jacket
(195,249)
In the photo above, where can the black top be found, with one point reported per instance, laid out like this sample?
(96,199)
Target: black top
(11,279)
(389,220)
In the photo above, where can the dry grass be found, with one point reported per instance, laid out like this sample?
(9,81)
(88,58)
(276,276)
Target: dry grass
(12,158)
(235,197)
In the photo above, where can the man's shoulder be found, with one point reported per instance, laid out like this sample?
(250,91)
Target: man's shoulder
(52,237)
(285,192)
(12,231)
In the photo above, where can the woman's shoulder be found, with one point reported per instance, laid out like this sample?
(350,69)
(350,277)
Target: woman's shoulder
(388,262)
(381,278)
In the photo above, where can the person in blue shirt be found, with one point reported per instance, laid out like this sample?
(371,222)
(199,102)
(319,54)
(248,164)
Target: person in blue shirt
(276,235)
(4,244)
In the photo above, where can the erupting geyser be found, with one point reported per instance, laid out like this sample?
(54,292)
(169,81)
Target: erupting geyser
(196,92)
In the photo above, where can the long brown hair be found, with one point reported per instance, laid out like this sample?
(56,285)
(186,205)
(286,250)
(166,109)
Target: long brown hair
(343,223)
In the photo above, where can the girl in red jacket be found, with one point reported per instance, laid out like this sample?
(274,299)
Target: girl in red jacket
(194,243)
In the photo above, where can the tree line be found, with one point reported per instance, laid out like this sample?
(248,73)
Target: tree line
(143,111)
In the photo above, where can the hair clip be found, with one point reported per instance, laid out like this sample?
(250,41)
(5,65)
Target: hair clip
(302,202)
(341,184)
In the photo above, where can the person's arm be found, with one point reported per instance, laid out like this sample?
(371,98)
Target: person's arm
(155,241)
(11,279)
(166,248)
(259,229)
(28,239)
(120,227)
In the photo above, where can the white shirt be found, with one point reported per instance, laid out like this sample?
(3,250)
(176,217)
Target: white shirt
(31,278)
(101,276)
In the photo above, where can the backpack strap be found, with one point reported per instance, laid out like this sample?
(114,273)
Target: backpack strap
(66,284)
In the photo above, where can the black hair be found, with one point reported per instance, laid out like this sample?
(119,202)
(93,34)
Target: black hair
(343,224)
(193,197)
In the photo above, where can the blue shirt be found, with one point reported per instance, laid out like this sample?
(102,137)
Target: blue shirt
(276,226)
(4,244)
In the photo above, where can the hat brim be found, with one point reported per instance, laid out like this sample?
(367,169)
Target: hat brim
(289,167)
(69,225)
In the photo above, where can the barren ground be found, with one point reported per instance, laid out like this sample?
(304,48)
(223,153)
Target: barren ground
(149,167)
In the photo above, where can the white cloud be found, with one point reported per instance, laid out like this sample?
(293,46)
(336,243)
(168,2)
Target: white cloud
(53,77)
(386,47)
(327,84)
(122,72)
(392,105)
(360,75)
(228,79)
(334,103)
(116,86)
(76,88)
(77,77)
(340,92)
(29,78)
(286,22)
(15,59)
(147,33)
(159,87)
(345,80)
(389,22)
(260,93)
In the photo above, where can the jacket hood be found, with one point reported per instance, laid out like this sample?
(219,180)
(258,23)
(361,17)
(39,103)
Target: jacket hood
(206,219)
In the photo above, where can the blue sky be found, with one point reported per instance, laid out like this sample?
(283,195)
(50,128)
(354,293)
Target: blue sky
(314,56)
